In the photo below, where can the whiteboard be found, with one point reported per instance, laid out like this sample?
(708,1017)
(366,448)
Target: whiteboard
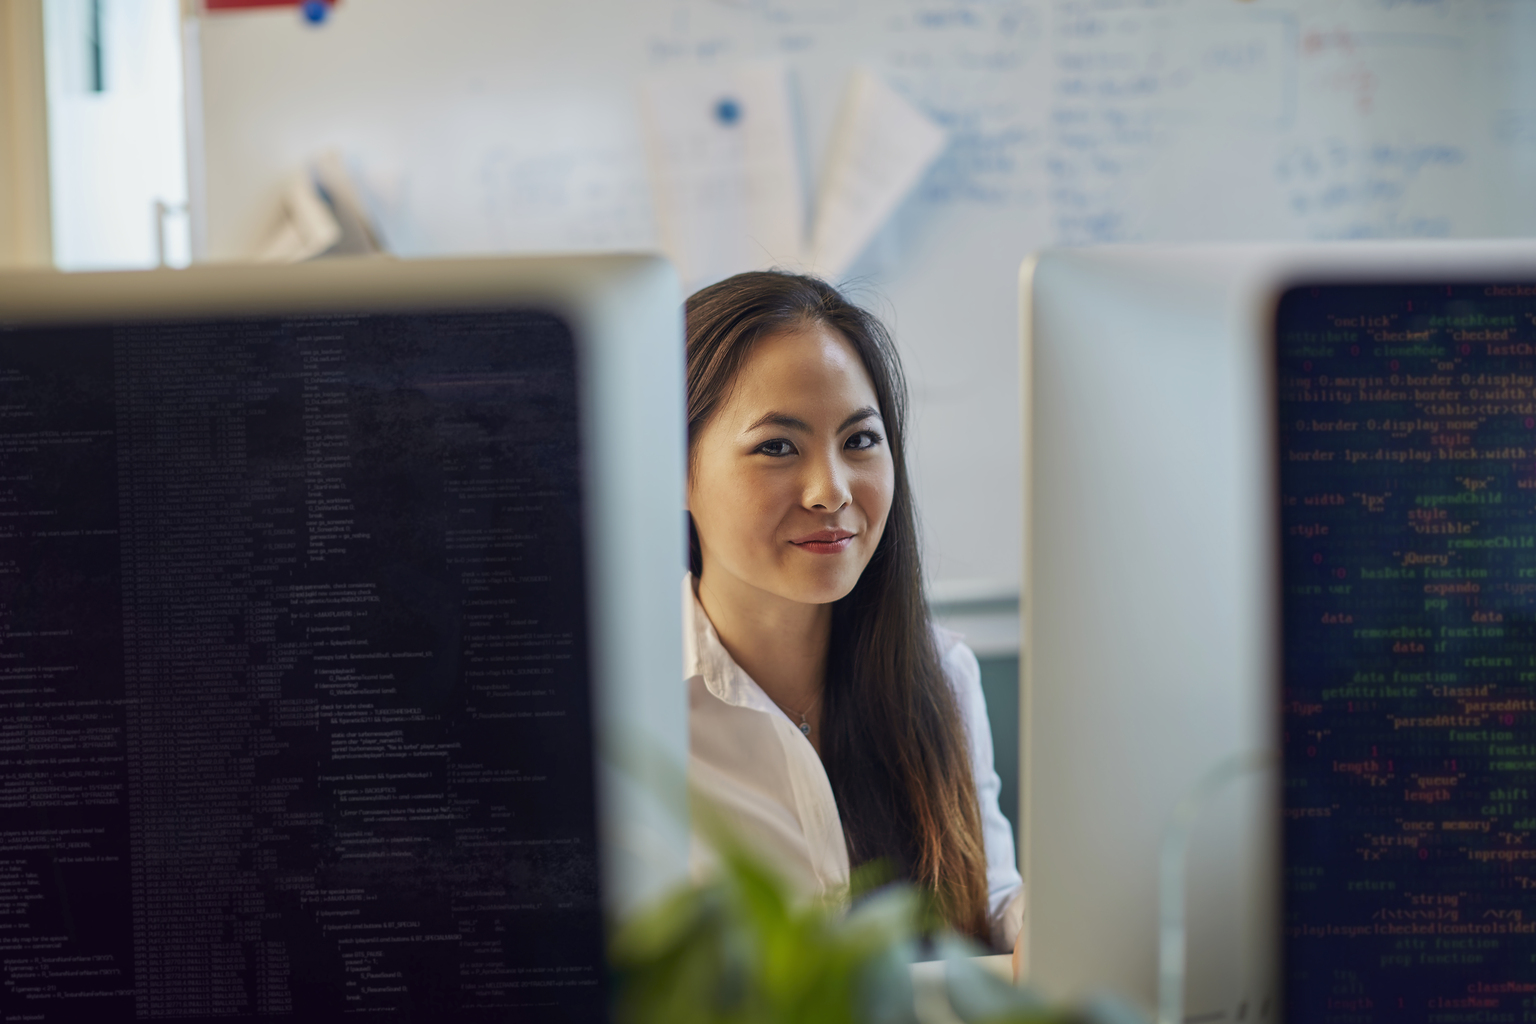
(512,126)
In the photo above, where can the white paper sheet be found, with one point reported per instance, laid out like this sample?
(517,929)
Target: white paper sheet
(880,148)
(724,170)
(359,236)
(322,215)
(306,227)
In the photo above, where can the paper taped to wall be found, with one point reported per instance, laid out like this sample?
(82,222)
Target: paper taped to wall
(359,235)
(305,227)
(322,214)
(880,148)
(724,172)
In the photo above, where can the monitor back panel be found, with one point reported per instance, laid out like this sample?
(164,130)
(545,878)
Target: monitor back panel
(293,665)
(1149,621)
(1407,426)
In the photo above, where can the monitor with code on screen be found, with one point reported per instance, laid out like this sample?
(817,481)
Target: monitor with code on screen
(1407,428)
(1282,553)
(308,638)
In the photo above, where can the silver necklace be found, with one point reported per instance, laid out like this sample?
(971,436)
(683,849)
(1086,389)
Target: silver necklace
(805,725)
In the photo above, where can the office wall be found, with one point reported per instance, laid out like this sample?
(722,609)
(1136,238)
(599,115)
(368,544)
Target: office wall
(1000,686)
(511,125)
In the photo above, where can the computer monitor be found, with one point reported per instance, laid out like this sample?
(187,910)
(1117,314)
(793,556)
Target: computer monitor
(1282,570)
(338,636)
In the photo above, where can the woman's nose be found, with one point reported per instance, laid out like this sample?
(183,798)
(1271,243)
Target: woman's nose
(826,488)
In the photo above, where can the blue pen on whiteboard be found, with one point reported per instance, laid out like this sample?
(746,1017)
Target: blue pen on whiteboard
(727,111)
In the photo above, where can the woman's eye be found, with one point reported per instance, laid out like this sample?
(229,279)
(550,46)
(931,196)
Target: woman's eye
(863,440)
(777,448)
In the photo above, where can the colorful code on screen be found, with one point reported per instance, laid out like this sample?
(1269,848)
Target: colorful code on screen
(1407,432)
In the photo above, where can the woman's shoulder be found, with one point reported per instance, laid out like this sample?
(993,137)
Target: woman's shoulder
(956,658)
(963,673)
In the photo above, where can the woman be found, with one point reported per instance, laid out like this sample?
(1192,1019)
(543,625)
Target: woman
(830,723)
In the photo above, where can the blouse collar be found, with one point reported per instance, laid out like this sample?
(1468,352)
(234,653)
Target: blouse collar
(705,656)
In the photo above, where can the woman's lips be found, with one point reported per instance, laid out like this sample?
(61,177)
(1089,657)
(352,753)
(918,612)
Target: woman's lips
(824,542)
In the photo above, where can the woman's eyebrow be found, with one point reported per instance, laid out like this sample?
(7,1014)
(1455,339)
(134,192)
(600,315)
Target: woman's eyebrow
(863,414)
(789,422)
(780,419)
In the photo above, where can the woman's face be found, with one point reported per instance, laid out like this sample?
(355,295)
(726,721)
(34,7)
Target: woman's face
(791,479)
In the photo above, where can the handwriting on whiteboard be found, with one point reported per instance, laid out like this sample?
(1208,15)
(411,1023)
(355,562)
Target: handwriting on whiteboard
(1119,119)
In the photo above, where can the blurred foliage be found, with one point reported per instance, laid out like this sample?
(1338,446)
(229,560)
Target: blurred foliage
(741,950)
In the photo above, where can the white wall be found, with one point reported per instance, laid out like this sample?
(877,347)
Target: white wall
(511,125)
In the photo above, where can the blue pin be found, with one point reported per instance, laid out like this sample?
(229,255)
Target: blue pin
(315,11)
(728,111)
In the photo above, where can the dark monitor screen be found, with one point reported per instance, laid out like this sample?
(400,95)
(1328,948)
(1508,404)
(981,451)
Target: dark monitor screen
(1407,429)
(296,712)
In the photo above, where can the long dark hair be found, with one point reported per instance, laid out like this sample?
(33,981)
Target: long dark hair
(891,736)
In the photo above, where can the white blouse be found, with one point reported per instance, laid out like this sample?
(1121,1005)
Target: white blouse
(761,775)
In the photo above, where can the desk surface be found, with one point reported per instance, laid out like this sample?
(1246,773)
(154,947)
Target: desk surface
(932,971)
